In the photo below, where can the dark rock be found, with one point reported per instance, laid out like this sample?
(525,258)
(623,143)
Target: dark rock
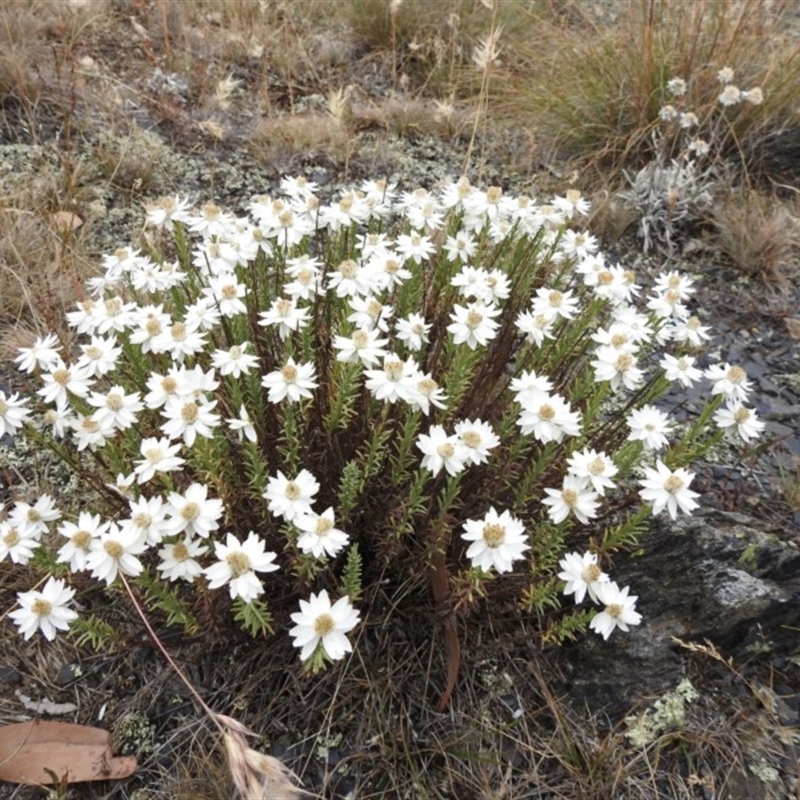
(68,673)
(10,675)
(716,576)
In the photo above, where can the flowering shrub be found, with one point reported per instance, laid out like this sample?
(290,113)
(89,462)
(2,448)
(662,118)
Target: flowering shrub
(295,406)
(674,190)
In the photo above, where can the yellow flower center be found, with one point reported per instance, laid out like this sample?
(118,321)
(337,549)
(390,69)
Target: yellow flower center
(393,370)
(324,624)
(427,386)
(228,291)
(471,439)
(555,298)
(11,538)
(618,340)
(211,211)
(235,352)
(152,326)
(142,519)
(624,362)
(81,539)
(741,415)
(284,307)
(189,412)
(114,402)
(93,352)
(292,491)
(360,339)
(180,552)
(614,610)
(289,373)
(446,450)
(474,318)
(178,331)
(736,375)
(570,497)
(673,484)
(114,549)
(113,306)
(238,562)
(591,573)
(349,269)
(61,376)
(191,511)
(324,526)
(494,535)
(596,466)
(546,412)
(494,194)
(41,607)
(605,278)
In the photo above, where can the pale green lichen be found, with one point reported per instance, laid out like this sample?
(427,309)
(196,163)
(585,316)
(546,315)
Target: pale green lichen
(764,772)
(668,712)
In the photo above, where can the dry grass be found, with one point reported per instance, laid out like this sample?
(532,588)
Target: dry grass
(594,84)
(367,728)
(590,88)
(760,235)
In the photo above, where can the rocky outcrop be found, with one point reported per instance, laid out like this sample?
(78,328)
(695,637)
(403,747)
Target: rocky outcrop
(718,576)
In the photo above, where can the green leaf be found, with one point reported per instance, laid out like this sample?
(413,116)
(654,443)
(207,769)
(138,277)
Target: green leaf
(253,617)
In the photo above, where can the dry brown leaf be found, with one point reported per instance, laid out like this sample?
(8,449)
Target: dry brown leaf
(66,220)
(34,752)
(793,327)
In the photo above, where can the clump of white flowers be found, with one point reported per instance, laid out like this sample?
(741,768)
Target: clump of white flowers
(672,192)
(271,403)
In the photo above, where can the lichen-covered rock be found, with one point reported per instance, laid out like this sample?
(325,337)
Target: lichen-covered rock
(718,576)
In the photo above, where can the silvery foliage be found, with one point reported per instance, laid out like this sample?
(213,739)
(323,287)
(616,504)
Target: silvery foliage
(669,199)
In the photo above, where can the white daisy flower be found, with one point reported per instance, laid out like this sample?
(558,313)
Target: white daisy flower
(291,498)
(497,541)
(441,450)
(595,468)
(582,575)
(666,488)
(743,420)
(320,624)
(79,539)
(320,537)
(478,439)
(291,382)
(13,413)
(114,551)
(44,610)
(474,324)
(237,565)
(649,425)
(730,381)
(574,497)
(193,512)
(178,559)
(619,611)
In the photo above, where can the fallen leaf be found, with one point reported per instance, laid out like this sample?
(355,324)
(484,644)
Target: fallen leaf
(793,327)
(43,752)
(66,220)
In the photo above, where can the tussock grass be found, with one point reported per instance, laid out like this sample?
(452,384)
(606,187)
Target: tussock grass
(759,235)
(594,86)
